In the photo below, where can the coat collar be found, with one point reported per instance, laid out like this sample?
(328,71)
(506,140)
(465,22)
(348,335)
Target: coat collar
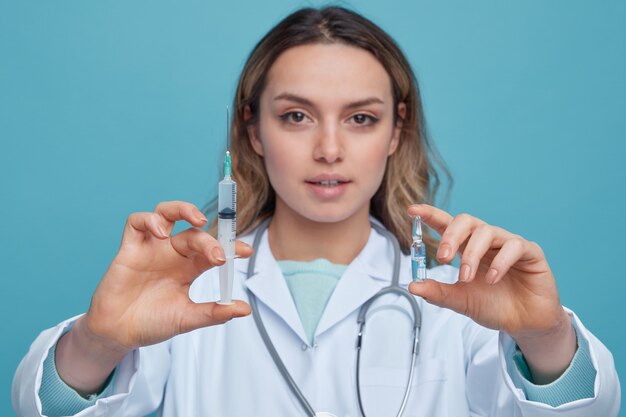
(370,271)
(268,284)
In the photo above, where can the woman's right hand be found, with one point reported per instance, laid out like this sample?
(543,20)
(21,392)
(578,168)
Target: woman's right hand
(143,298)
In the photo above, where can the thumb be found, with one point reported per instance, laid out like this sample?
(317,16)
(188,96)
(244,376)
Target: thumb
(209,314)
(451,296)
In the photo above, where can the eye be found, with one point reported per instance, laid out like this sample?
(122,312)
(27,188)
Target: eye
(363,119)
(295,117)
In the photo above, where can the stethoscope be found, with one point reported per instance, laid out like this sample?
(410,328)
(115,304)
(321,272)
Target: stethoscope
(394,288)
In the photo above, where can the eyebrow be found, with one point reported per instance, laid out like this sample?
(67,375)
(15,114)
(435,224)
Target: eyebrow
(306,102)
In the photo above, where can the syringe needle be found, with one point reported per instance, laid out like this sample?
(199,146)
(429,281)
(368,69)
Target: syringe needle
(227,128)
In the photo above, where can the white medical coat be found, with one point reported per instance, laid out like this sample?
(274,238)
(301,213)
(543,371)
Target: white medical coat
(462,369)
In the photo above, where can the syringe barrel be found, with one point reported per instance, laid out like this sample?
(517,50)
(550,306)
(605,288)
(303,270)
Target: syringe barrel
(226,234)
(227,216)
(227,272)
(227,198)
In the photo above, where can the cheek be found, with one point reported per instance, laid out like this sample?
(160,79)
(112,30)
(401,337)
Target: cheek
(279,164)
(281,156)
(374,160)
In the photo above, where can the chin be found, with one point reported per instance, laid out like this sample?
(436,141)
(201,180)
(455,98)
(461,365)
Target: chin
(328,212)
(323,214)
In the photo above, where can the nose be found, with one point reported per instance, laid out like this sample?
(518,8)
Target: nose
(329,146)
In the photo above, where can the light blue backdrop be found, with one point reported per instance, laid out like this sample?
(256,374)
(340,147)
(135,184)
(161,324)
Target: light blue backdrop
(107,108)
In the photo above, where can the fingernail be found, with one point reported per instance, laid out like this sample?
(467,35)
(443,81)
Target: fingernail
(202,218)
(444,251)
(218,254)
(413,286)
(161,231)
(465,272)
(491,276)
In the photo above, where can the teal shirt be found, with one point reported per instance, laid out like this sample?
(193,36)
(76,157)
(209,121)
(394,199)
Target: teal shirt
(58,399)
(574,384)
(311,284)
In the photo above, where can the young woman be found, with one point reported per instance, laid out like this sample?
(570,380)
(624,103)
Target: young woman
(332,161)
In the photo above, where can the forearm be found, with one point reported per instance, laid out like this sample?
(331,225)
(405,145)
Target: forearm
(548,355)
(83,361)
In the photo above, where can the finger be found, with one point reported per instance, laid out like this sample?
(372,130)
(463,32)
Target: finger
(242,249)
(198,242)
(138,224)
(455,236)
(208,314)
(484,238)
(173,211)
(435,218)
(451,296)
(512,251)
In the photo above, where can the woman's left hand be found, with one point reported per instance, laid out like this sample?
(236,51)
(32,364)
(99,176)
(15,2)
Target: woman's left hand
(505,283)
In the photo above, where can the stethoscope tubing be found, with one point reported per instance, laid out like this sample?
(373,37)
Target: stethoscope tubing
(261,327)
(394,288)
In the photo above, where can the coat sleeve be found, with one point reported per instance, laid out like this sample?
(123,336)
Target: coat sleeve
(139,383)
(501,391)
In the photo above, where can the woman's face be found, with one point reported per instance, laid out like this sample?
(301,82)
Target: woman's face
(325,130)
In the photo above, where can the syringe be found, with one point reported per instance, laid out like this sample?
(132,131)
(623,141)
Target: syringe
(227,226)
(418,252)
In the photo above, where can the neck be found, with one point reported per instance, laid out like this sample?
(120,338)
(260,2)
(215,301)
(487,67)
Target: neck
(293,237)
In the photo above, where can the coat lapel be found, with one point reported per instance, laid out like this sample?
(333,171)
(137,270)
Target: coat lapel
(269,286)
(370,271)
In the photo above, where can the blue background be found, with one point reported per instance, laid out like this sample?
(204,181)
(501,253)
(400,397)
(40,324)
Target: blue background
(107,108)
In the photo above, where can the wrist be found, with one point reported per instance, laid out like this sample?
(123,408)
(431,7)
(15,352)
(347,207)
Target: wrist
(549,353)
(85,360)
(101,346)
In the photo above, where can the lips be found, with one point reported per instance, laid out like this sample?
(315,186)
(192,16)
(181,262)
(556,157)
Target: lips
(327,187)
(328,183)
(328,180)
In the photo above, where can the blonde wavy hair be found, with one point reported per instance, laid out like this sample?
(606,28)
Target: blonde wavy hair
(410,176)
